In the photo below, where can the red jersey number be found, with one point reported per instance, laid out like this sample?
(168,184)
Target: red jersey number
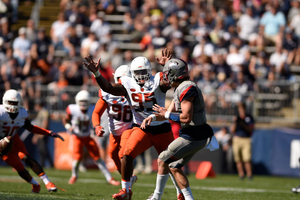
(138,97)
(8,131)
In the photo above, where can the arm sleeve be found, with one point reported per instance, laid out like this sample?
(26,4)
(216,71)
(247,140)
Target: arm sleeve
(35,129)
(100,107)
(189,92)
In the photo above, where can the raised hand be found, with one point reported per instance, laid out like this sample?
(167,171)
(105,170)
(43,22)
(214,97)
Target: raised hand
(165,56)
(160,110)
(91,65)
(55,135)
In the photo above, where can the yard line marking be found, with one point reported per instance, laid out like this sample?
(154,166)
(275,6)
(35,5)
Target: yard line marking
(225,189)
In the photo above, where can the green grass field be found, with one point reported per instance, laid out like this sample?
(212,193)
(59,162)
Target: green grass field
(92,185)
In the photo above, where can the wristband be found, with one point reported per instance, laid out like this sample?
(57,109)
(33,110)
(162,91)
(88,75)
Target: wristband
(167,114)
(153,116)
(97,74)
(175,117)
(67,126)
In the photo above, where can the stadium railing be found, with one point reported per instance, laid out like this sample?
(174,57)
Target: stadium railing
(276,102)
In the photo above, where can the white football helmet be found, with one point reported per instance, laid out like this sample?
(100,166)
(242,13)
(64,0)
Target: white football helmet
(83,99)
(123,70)
(11,101)
(140,69)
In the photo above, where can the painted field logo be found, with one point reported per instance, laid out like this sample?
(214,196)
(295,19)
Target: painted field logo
(295,154)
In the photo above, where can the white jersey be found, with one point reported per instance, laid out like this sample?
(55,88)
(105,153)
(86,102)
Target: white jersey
(141,99)
(80,122)
(8,126)
(119,112)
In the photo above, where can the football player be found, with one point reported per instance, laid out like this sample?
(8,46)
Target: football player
(119,117)
(188,109)
(77,121)
(142,91)
(12,117)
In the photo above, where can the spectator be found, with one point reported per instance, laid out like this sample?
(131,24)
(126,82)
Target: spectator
(242,129)
(248,25)
(42,120)
(5,33)
(290,45)
(31,32)
(21,47)
(278,59)
(242,86)
(75,73)
(295,25)
(89,45)
(235,59)
(42,51)
(107,6)
(130,15)
(204,47)
(33,78)
(6,10)
(58,30)
(294,10)
(259,66)
(73,15)
(174,26)
(272,25)
(10,73)
(101,28)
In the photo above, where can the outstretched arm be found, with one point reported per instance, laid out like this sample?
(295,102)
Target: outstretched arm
(36,129)
(115,89)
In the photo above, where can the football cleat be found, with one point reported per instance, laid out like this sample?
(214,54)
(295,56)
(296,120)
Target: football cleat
(122,195)
(133,179)
(112,181)
(35,188)
(180,197)
(51,187)
(296,189)
(151,197)
(72,180)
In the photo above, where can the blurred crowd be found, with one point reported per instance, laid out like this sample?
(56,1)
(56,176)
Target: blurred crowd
(229,45)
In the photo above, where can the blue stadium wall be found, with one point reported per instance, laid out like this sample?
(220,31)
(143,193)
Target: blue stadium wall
(274,151)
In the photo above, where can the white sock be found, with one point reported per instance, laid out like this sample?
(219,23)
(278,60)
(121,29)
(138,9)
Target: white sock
(161,181)
(45,178)
(187,193)
(34,182)
(101,165)
(178,190)
(126,185)
(75,166)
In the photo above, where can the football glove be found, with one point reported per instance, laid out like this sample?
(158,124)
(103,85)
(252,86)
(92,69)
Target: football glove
(99,130)
(55,135)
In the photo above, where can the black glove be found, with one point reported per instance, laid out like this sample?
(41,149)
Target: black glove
(55,135)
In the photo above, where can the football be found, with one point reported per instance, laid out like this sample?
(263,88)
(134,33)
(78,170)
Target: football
(6,145)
